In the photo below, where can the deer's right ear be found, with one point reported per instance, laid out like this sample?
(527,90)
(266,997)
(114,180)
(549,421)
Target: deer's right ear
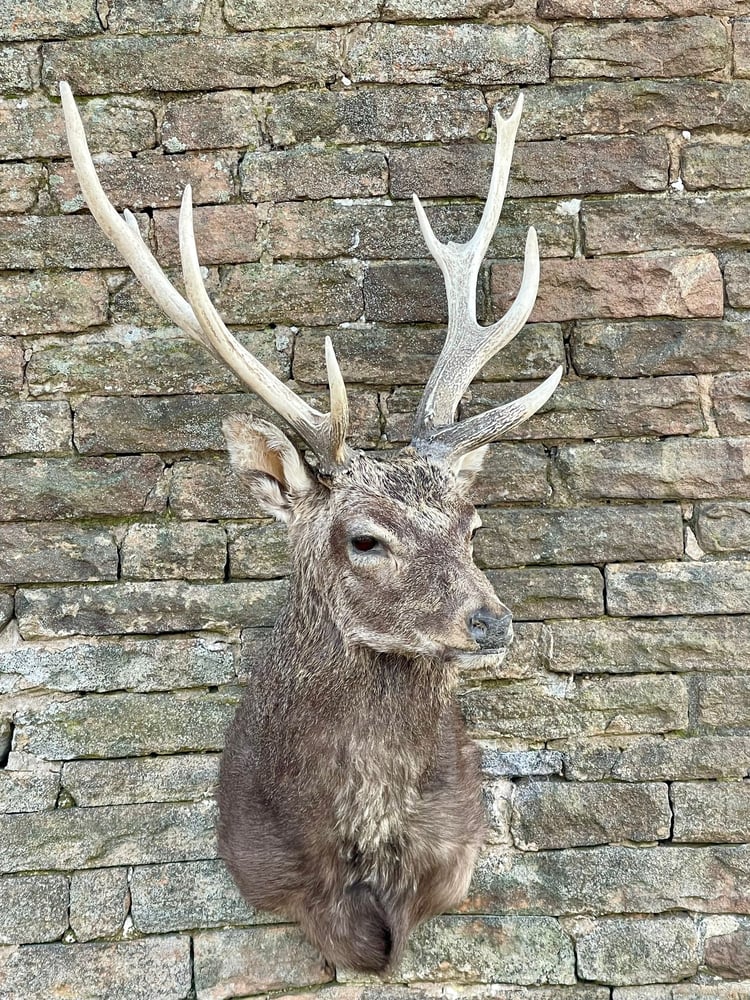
(268,461)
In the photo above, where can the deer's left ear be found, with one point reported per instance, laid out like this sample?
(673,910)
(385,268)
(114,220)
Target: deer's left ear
(268,461)
(467,467)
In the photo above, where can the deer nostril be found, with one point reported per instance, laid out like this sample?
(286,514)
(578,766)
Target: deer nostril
(489,630)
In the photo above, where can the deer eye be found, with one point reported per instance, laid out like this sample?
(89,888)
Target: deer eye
(364,543)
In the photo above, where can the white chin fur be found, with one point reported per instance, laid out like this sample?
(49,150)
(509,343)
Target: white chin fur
(481,661)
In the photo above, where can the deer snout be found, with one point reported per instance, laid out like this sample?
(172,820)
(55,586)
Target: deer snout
(489,631)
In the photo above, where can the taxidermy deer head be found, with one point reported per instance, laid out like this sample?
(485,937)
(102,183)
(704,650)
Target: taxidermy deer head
(350,793)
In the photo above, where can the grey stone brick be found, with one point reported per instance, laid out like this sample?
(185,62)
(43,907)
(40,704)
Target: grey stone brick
(309,171)
(154,969)
(717,164)
(141,779)
(723,702)
(649,758)
(126,725)
(235,962)
(38,427)
(680,991)
(99,902)
(711,812)
(253,15)
(33,908)
(727,954)
(731,399)
(258,551)
(32,790)
(50,241)
(538,593)
(407,292)
(36,20)
(555,814)
(736,279)
(627,951)
(51,303)
(203,489)
(49,553)
(20,183)
(52,488)
(561,9)
(224,234)
(723,527)
(137,15)
(11,366)
(741,40)
(512,472)
(227,118)
(6,608)
(174,550)
(498,763)
(677,588)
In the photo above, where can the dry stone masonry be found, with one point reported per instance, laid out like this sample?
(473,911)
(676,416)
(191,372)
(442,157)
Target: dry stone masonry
(138,580)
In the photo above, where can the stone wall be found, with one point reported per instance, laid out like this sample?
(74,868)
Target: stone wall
(137,578)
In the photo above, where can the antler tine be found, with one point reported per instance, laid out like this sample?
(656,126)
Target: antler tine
(198,317)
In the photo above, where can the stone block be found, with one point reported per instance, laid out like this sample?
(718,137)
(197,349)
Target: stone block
(680,285)
(124,16)
(648,758)
(157,968)
(610,880)
(577,535)
(254,15)
(498,763)
(681,991)
(723,702)
(99,903)
(188,895)
(628,952)
(723,527)
(741,46)
(209,489)
(731,399)
(659,347)
(32,790)
(106,836)
(20,183)
(259,551)
(527,656)
(674,645)
(41,428)
(6,608)
(711,812)
(407,292)
(555,814)
(33,908)
(678,588)
(149,607)
(219,120)
(141,779)
(601,9)
(727,953)
(648,703)
(224,234)
(126,725)
(18,70)
(151,180)
(52,241)
(717,164)
(483,54)
(407,113)
(230,963)
(313,172)
(36,20)
(737,280)
(174,550)
(682,468)
(100,664)
(128,64)
(11,366)
(670,48)
(52,303)
(521,950)
(538,593)
(51,488)
(49,553)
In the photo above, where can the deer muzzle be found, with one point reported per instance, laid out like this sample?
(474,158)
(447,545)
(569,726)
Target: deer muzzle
(490,631)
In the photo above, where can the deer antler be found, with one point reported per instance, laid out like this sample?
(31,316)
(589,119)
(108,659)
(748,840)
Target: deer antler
(325,433)
(469,346)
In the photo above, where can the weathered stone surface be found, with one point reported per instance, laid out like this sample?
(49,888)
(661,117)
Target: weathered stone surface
(407,292)
(104,664)
(229,963)
(130,361)
(649,758)
(174,550)
(723,702)
(153,969)
(519,763)
(365,354)
(706,164)
(166,606)
(680,468)
(11,366)
(456,53)
(728,954)
(723,527)
(187,895)
(561,9)
(602,288)
(31,790)
(107,836)
(451,9)
(172,63)
(48,553)
(50,303)
(252,15)
(34,427)
(140,779)
(258,551)
(224,234)
(99,902)
(151,180)
(741,39)
(131,15)
(35,20)
(211,121)
(551,592)
(126,725)
(554,814)
(602,408)
(677,588)
(715,812)
(19,183)
(41,488)
(660,347)
(669,48)
(555,709)
(575,167)
(202,489)
(313,172)
(33,908)
(520,950)
(731,398)
(614,646)
(621,951)
(527,656)
(384,114)
(578,535)
(614,880)
(47,241)
(737,280)
(512,472)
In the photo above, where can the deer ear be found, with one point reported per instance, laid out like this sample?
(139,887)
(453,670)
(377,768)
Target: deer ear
(468,466)
(267,460)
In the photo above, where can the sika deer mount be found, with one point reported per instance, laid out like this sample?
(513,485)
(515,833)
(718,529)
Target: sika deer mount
(349,794)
